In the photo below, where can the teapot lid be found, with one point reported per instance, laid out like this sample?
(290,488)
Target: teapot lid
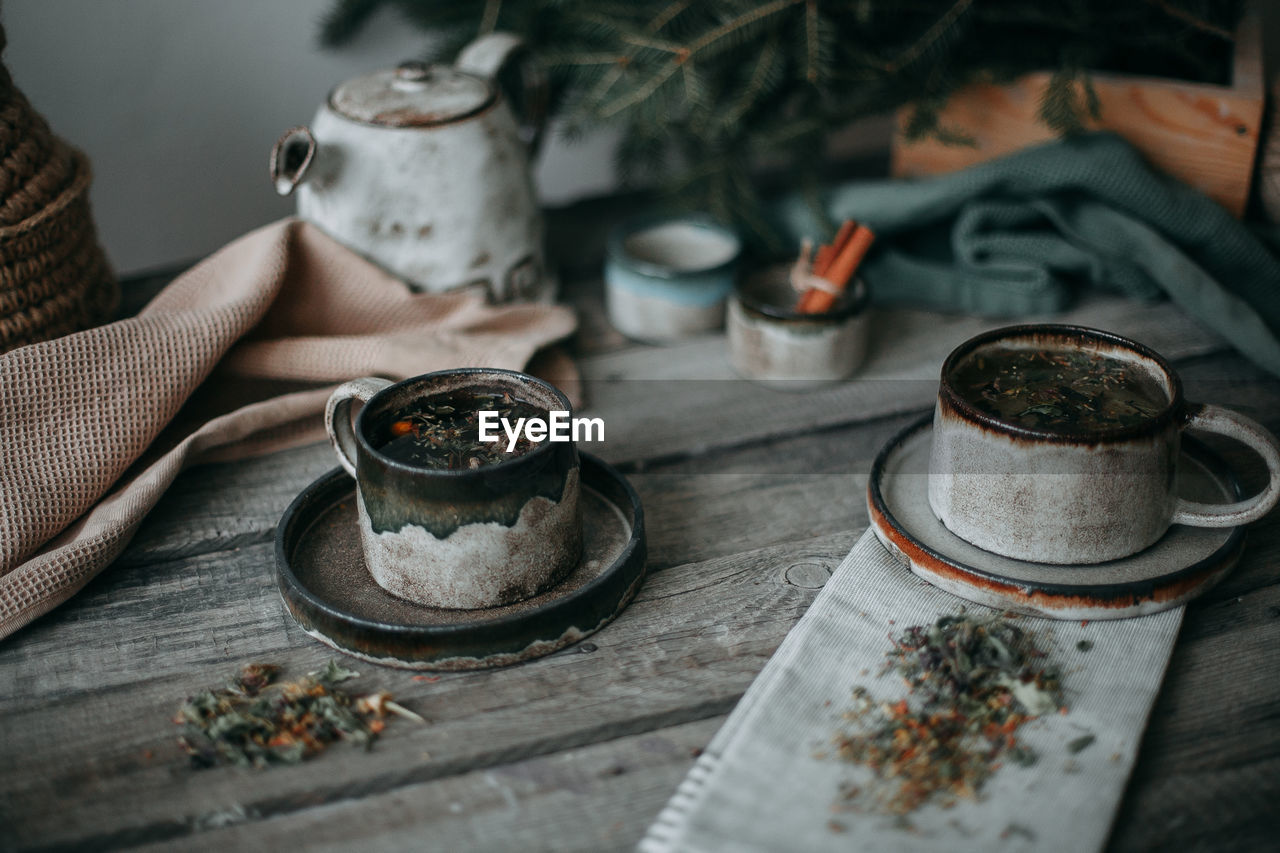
(414,94)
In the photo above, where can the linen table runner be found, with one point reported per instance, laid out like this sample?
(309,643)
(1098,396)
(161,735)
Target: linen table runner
(759,786)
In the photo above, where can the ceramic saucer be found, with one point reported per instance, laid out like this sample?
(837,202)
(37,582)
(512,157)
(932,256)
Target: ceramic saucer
(1181,566)
(326,587)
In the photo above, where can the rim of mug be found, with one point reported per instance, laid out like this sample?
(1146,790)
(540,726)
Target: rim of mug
(617,252)
(544,448)
(1174,410)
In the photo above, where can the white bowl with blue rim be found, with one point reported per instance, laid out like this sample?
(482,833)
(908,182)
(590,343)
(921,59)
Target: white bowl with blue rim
(668,277)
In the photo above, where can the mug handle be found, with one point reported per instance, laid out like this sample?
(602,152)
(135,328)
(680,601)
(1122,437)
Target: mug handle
(337,416)
(1222,421)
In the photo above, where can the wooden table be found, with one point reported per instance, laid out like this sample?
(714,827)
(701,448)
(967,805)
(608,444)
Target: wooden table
(752,498)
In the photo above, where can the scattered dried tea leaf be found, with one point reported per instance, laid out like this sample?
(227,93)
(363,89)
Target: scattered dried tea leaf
(381,703)
(255,721)
(255,676)
(1017,829)
(974,682)
(1022,755)
(1080,744)
(1084,645)
(332,673)
(1035,699)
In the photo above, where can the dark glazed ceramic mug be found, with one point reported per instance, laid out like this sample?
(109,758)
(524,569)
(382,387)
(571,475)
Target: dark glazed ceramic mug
(459,538)
(1077,494)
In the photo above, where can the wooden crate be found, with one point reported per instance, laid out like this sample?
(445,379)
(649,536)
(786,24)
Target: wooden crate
(1204,135)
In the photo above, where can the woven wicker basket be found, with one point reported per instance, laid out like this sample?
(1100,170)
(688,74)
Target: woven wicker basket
(54,277)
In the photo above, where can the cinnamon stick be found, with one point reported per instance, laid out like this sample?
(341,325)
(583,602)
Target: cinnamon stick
(839,272)
(827,254)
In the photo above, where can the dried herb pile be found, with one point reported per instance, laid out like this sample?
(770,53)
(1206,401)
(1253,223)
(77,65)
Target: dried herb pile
(255,721)
(974,683)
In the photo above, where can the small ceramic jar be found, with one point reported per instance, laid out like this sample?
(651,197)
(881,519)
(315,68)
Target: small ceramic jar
(770,342)
(459,538)
(667,278)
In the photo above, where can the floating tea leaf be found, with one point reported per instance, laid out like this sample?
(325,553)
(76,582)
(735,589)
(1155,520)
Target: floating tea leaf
(443,431)
(1058,390)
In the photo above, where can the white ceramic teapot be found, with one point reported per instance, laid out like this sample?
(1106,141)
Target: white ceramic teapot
(424,170)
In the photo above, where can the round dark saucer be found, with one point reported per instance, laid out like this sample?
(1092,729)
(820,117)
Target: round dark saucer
(329,592)
(1183,564)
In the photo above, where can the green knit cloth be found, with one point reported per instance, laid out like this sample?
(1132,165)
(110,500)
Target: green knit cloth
(1023,234)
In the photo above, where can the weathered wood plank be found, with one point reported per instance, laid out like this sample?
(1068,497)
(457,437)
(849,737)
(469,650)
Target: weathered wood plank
(684,400)
(487,715)
(907,344)
(744,527)
(165,617)
(1208,774)
(205,611)
(216,507)
(151,613)
(668,667)
(1230,809)
(657,403)
(698,509)
(596,798)
(1221,700)
(685,650)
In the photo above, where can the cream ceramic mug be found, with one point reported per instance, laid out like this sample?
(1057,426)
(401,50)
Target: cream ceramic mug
(1074,495)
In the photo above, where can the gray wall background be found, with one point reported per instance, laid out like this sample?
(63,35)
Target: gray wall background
(177,103)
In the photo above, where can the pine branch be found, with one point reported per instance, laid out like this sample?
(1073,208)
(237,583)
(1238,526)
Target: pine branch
(665,17)
(1092,105)
(756,85)
(742,21)
(639,39)
(1199,23)
(345,20)
(929,37)
(567,59)
(706,41)
(607,82)
(811,40)
(704,90)
(1060,106)
(643,92)
(489,20)
(695,87)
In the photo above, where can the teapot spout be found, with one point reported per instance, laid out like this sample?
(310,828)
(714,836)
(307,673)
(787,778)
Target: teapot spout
(291,158)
